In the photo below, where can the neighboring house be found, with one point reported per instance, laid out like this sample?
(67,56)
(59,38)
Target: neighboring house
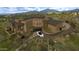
(55,25)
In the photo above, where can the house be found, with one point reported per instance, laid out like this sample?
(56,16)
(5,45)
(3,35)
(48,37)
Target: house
(55,25)
(36,24)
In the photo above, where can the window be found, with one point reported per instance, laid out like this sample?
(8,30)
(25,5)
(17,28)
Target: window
(60,29)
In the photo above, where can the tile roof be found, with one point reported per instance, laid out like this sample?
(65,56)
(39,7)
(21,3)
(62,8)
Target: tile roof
(54,22)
